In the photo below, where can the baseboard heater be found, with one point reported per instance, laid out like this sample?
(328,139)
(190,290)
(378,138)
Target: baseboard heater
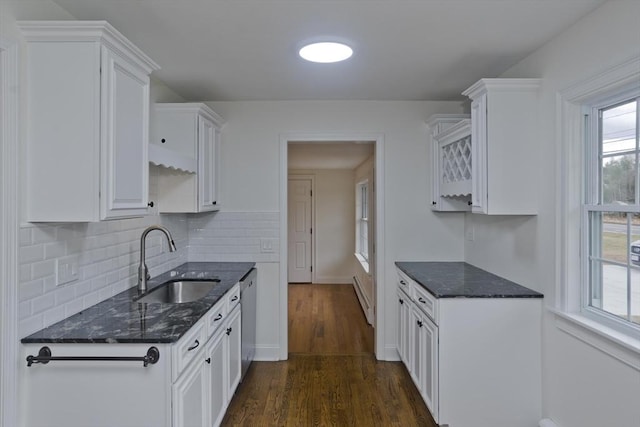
(364,302)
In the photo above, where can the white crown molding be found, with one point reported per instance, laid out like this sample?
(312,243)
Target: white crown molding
(484,85)
(83,31)
(9,224)
(192,107)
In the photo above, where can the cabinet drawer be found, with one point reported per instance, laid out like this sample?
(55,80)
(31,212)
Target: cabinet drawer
(404,282)
(187,348)
(216,316)
(233,297)
(425,301)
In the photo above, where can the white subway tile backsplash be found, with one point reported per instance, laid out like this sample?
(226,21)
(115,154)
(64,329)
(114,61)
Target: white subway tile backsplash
(29,254)
(53,315)
(108,261)
(42,269)
(43,302)
(24,237)
(44,234)
(24,310)
(31,289)
(108,256)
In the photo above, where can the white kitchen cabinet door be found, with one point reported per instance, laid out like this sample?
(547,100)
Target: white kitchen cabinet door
(190,396)
(404,330)
(505,155)
(87,133)
(234,339)
(439,123)
(207,170)
(125,110)
(215,357)
(428,344)
(479,154)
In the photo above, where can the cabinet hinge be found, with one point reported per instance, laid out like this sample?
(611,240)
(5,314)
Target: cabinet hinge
(311,231)
(311,193)
(311,268)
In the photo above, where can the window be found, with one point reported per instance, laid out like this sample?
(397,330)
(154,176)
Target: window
(362,220)
(611,212)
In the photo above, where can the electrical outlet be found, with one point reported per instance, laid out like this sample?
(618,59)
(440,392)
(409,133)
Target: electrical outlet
(67,269)
(469,234)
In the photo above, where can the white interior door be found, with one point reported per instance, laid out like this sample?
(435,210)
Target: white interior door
(299,231)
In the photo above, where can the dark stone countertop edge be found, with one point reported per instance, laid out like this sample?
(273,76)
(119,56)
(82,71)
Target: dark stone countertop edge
(116,318)
(483,285)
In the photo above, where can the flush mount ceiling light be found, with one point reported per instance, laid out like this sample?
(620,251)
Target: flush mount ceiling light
(326,52)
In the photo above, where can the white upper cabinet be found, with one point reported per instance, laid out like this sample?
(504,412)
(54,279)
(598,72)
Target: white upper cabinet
(88,122)
(505,159)
(185,142)
(450,162)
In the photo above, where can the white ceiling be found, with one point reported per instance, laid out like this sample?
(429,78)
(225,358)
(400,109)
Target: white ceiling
(328,155)
(217,50)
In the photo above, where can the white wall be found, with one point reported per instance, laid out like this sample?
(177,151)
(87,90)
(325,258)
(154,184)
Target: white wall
(582,387)
(334,232)
(250,177)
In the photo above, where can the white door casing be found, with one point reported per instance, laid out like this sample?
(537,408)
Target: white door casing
(9,224)
(383,350)
(299,230)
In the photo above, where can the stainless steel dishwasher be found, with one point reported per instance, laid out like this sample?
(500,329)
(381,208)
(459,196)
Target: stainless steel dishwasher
(248,285)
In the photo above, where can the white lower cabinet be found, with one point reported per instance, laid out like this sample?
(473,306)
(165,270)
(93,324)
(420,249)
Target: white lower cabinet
(234,364)
(190,385)
(403,329)
(216,357)
(475,361)
(189,397)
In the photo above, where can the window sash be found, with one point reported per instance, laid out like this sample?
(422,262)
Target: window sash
(595,265)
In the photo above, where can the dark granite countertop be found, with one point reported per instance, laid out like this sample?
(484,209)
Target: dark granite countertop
(462,280)
(120,319)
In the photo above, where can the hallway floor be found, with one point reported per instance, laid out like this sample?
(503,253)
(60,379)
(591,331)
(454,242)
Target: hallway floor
(332,377)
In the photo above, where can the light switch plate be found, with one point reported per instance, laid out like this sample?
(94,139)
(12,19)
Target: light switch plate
(266,245)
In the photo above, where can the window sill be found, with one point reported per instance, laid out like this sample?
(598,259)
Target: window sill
(363,262)
(616,344)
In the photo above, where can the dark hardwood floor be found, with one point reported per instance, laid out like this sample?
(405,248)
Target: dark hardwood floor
(332,377)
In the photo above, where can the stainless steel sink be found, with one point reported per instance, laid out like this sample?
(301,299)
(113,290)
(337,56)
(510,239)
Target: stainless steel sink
(180,291)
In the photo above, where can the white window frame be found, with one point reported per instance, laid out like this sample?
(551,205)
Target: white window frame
(362,220)
(569,301)
(593,205)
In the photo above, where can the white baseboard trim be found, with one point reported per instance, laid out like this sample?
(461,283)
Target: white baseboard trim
(390,354)
(267,354)
(547,422)
(364,301)
(332,280)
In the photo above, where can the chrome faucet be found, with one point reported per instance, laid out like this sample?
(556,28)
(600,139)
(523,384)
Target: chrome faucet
(143,272)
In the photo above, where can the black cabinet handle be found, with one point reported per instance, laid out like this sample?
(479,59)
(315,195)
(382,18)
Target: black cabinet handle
(401,301)
(208,360)
(218,317)
(235,298)
(214,203)
(194,346)
(163,140)
(434,203)
(150,204)
(469,202)
(228,332)
(419,322)
(402,282)
(421,300)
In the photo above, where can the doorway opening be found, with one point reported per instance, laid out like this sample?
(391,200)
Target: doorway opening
(330,223)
